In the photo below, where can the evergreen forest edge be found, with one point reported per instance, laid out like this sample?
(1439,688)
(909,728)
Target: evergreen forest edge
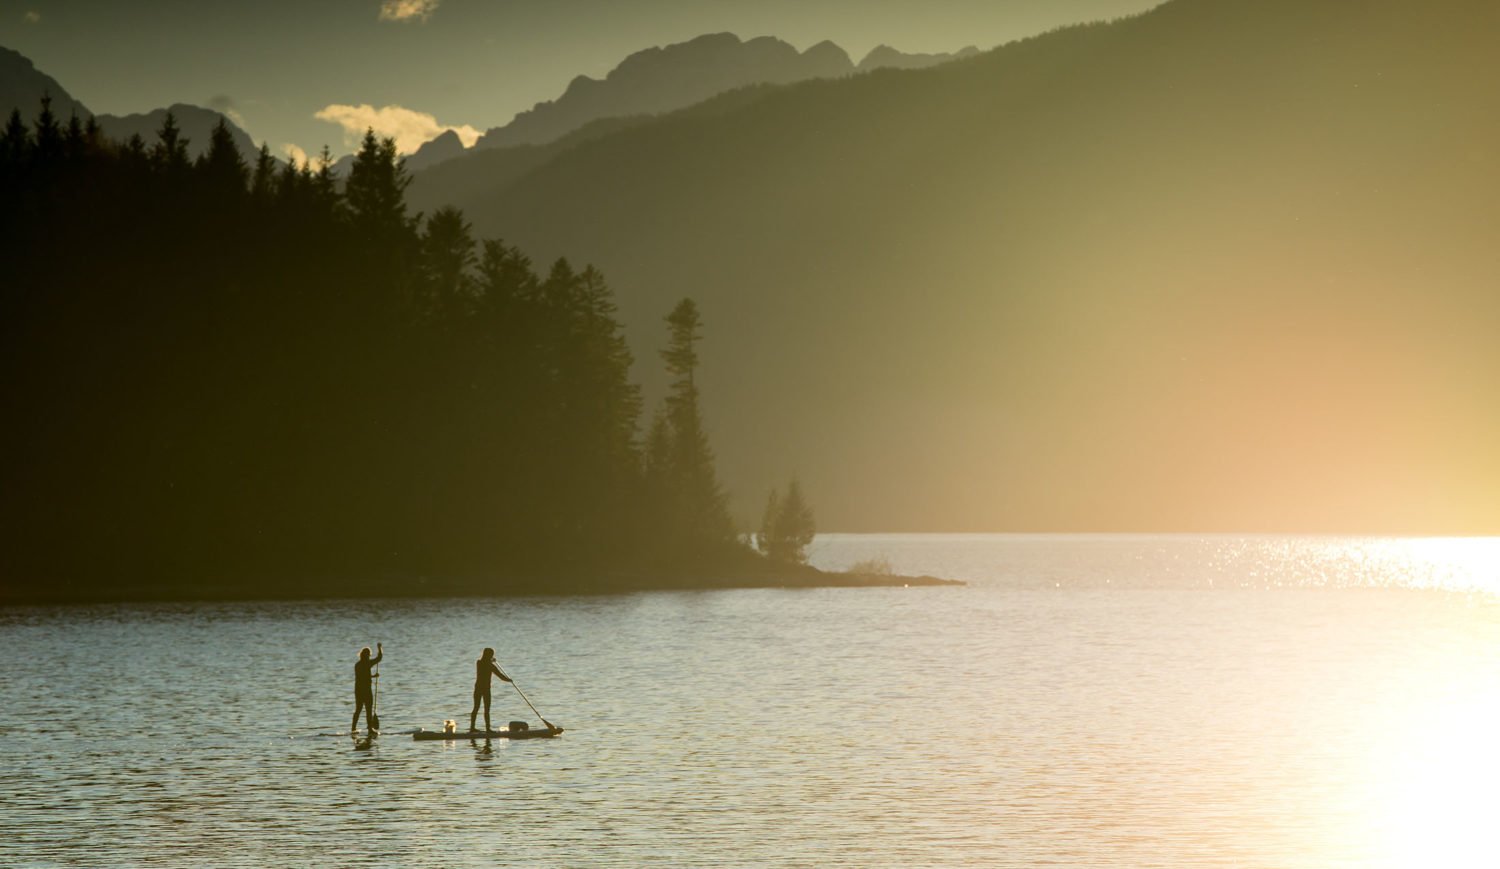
(249,380)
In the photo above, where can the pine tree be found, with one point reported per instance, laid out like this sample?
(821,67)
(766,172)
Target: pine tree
(94,134)
(15,139)
(47,140)
(447,262)
(375,194)
(506,280)
(291,182)
(325,186)
(787,526)
(134,150)
(263,181)
(169,155)
(558,289)
(551,325)
(376,189)
(75,144)
(221,167)
(698,502)
(608,394)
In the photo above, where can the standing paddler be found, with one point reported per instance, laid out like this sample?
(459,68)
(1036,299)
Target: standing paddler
(484,668)
(364,692)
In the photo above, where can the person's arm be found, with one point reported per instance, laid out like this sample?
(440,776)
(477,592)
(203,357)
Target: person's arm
(379,653)
(496,668)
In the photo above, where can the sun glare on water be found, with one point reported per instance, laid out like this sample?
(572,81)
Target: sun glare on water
(1462,564)
(1432,768)
(1439,799)
(1406,723)
(1450,563)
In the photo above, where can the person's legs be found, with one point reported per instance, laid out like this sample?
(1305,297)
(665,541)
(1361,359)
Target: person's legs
(475,711)
(361,701)
(487,726)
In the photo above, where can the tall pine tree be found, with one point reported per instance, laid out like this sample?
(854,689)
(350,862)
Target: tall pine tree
(696,506)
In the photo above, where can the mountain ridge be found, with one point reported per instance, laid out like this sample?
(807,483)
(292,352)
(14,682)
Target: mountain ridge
(1068,283)
(671,77)
(885,57)
(195,122)
(22,86)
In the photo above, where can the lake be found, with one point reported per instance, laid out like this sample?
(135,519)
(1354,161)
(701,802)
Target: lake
(1085,701)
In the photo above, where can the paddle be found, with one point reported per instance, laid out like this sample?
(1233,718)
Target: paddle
(373,718)
(550,725)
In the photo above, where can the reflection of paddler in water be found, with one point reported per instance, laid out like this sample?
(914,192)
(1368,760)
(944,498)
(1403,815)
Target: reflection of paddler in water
(364,694)
(484,668)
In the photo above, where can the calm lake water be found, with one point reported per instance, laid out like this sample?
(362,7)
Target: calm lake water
(1087,701)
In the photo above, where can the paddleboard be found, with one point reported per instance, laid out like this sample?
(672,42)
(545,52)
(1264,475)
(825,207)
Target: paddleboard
(541,733)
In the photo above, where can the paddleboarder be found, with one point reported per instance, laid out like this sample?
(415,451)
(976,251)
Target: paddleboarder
(364,694)
(484,668)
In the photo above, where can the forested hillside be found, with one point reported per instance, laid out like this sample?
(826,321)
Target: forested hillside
(1227,265)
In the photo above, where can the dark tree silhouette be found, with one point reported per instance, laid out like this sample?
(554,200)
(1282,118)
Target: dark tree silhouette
(447,260)
(787,526)
(263,181)
(48,138)
(376,188)
(221,166)
(170,153)
(258,382)
(695,503)
(13,141)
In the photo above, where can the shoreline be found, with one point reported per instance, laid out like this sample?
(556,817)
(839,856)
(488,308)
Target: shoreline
(718,578)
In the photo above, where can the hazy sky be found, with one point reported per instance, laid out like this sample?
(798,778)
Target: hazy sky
(277,63)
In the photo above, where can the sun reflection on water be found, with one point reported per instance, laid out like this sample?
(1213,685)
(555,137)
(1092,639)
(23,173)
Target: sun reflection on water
(1433,770)
(1461,564)
(1436,778)
(1445,563)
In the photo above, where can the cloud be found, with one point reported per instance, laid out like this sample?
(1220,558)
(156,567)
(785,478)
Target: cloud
(224,105)
(296,155)
(32,17)
(406,10)
(409,128)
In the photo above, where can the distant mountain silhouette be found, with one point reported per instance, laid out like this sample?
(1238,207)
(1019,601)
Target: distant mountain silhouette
(496,168)
(445,146)
(662,79)
(885,57)
(195,122)
(22,86)
(1225,265)
(439,149)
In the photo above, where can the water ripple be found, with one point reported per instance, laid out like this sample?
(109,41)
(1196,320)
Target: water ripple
(1096,702)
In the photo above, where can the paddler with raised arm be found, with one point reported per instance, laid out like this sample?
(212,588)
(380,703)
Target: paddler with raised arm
(364,693)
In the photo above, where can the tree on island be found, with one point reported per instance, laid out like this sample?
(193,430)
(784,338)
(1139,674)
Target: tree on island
(787,526)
